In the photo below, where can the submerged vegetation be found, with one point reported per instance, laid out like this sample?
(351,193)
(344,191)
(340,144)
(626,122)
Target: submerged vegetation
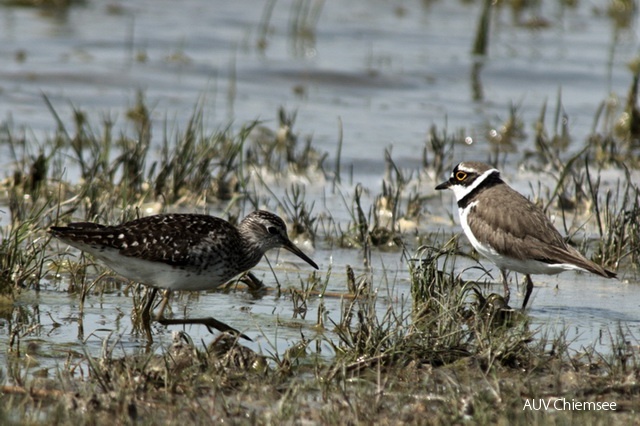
(367,352)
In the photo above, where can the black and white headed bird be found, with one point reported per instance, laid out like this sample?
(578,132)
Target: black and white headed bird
(508,229)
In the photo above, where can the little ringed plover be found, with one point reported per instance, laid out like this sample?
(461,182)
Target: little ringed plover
(509,230)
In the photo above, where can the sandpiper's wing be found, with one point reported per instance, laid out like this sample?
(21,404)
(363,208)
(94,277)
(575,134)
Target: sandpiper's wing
(171,238)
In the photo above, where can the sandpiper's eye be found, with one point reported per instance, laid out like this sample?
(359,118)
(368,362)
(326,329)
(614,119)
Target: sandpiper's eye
(460,175)
(272,230)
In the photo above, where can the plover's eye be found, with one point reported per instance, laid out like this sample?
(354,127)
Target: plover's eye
(460,175)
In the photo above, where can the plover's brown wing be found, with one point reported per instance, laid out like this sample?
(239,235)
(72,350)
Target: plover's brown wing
(512,224)
(519,229)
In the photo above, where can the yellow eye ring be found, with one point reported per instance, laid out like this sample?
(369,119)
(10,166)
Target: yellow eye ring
(460,175)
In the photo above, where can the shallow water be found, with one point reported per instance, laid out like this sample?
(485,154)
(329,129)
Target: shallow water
(386,72)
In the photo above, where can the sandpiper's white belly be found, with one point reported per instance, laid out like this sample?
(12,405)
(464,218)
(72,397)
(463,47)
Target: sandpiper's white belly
(162,275)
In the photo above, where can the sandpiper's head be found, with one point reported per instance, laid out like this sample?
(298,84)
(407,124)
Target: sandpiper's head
(267,231)
(466,176)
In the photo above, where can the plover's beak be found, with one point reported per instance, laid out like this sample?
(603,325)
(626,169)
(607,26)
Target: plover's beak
(444,185)
(295,250)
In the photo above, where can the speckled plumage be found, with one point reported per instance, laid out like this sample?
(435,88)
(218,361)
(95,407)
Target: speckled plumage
(181,251)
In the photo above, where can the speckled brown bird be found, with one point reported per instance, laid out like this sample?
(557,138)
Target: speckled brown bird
(189,252)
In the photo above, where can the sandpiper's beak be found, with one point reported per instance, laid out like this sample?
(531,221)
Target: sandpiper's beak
(295,250)
(444,185)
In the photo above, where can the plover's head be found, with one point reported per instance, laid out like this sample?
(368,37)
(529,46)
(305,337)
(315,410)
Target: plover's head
(467,176)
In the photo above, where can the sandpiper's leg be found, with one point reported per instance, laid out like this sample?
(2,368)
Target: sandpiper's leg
(527,280)
(253,282)
(209,322)
(146,312)
(163,305)
(505,283)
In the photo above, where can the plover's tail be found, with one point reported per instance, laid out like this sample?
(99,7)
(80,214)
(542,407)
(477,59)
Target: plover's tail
(579,260)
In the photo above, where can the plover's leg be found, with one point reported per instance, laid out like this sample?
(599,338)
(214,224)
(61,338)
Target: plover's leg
(505,283)
(527,280)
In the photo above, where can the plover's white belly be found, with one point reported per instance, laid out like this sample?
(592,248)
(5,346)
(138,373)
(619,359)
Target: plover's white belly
(527,266)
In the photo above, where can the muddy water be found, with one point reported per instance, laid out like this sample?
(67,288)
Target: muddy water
(386,72)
